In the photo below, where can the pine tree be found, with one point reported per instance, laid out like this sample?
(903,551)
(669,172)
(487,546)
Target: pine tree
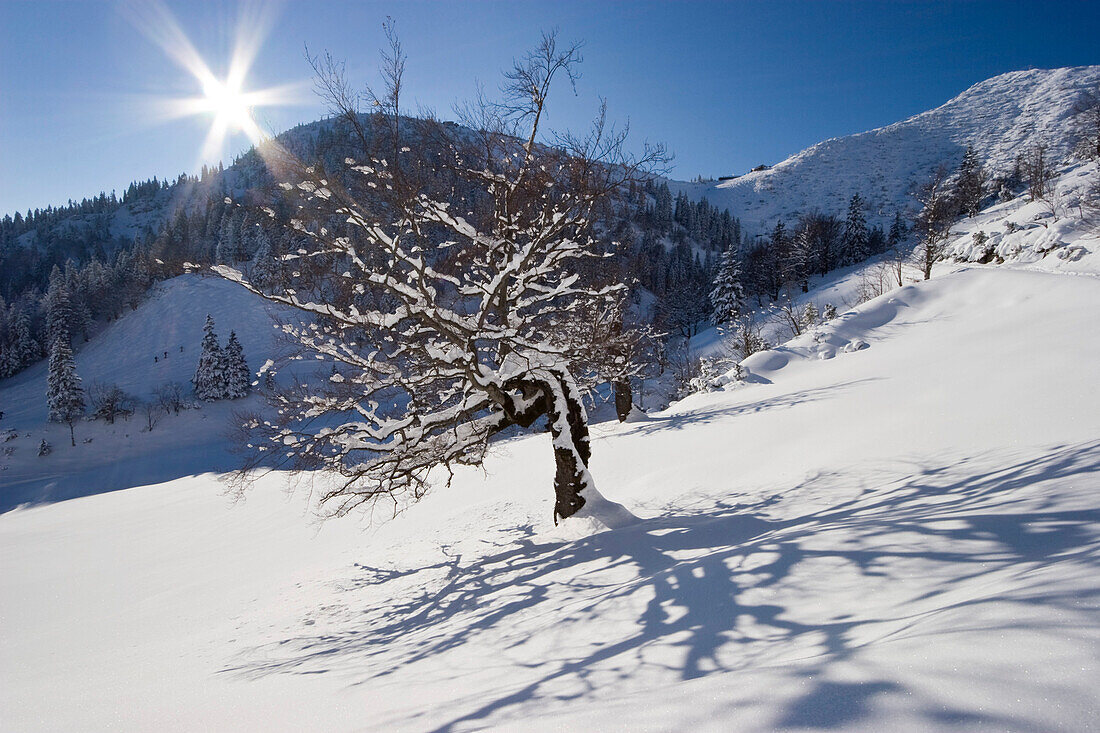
(238,379)
(662,212)
(897,232)
(59,309)
(727,297)
(810,316)
(64,395)
(798,262)
(23,350)
(970,185)
(854,242)
(228,240)
(265,270)
(209,377)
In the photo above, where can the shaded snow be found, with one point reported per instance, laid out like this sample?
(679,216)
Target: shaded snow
(126,454)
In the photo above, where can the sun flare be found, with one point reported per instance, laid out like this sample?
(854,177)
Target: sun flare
(229,103)
(226,102)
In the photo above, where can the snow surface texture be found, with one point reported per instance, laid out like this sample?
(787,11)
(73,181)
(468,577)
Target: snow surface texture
(901,537)
(1001,117)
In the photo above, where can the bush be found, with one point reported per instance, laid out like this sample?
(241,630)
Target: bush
(169,396)
(109,401)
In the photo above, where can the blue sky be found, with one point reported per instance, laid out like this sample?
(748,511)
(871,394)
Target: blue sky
(726,85)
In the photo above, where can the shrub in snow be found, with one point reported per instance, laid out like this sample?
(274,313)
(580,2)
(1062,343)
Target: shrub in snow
(706,381)
(109,401)
(169,395)
(44,448)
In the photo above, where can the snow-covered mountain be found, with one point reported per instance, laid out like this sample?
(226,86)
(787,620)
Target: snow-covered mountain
(1000,117)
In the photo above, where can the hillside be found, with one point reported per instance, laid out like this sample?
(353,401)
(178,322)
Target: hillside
(1001,117)
(899,537)
(127,453)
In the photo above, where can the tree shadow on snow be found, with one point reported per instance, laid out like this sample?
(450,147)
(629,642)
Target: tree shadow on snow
(697,594)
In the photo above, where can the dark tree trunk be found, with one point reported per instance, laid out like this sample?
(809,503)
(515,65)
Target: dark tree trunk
(572,450)
(568,425)
(623,399)
(72,435)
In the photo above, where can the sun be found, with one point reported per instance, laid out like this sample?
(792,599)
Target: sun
(226,102)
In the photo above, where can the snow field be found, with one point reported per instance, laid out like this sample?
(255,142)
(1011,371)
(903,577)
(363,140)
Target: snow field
(899,537)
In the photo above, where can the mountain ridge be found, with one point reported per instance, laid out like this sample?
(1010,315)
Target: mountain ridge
(1000,116)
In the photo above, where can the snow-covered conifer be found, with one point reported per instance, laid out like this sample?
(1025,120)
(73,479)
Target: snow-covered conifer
(897,232)
(728,295)
(265,270)
(970,184)
(59,310)
(809,316)
(854,240)
(238,379)
(209,379)
(64,395)
(800,257)
(23,350)
(228,239)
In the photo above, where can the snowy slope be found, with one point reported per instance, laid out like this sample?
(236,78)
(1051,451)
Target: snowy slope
(126,454)
(1001,117)
(903,537)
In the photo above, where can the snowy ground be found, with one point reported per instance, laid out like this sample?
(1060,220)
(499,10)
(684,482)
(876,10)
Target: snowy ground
(899,537)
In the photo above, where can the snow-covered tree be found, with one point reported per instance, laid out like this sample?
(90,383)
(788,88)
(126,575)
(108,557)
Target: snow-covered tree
(614,351)
(22,349)
(264,271)
(229,236)
(456,334)
(238,379)
(209,379)
(970,184)
(810,316)
(897,232)
(727,297)
(59,310)
(64,395)
(933,223)
(853,243)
